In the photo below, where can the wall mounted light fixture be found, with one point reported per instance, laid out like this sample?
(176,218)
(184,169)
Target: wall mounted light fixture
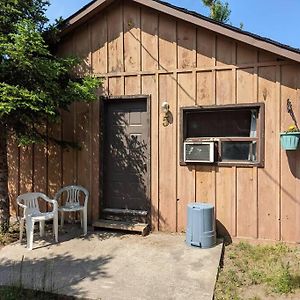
(165,107)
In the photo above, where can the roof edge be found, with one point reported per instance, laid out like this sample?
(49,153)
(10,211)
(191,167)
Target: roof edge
(269,45)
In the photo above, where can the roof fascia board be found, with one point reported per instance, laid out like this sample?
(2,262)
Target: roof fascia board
(98,5)
(221,30)
(84,15)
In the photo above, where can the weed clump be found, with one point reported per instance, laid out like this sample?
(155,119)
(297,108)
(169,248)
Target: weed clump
(254,272)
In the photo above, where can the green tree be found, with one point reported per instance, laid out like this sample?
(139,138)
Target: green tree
(35,84)
(218,11)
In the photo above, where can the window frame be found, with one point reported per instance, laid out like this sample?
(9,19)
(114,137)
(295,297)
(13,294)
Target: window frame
(259,139)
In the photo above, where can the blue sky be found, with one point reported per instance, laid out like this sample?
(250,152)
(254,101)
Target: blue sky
(275,19)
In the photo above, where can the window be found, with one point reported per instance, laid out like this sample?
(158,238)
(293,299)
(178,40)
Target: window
(236,132)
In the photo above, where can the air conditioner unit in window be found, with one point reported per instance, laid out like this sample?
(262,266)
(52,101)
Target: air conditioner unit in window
(199,152)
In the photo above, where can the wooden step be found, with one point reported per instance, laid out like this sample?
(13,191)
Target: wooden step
(125,211)
(128,226)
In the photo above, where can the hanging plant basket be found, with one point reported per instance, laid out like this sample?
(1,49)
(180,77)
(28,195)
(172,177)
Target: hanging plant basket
(290,140)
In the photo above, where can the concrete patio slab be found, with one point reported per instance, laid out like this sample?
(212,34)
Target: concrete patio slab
(112,266)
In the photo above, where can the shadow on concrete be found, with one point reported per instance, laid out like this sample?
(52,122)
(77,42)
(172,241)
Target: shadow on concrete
(49,273)
(67,233)
(56,272)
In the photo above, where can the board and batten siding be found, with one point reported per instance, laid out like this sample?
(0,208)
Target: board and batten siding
(136,51)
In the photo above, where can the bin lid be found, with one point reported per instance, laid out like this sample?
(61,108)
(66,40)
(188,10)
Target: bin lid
(201,205)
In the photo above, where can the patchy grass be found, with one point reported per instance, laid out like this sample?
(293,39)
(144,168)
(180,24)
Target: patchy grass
(12,293)
(259,272)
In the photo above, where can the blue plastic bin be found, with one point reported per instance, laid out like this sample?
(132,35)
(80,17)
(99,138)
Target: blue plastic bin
(201,230)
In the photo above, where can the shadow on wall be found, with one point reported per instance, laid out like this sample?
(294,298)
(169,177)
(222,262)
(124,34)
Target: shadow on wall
(293,160)
(222,232)
(34,168)
(208,47)
(126,161)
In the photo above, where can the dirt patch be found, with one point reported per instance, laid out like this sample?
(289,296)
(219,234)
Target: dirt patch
(12,235)
(259,272)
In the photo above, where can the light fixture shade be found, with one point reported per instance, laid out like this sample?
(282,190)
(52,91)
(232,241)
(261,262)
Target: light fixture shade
(165,107)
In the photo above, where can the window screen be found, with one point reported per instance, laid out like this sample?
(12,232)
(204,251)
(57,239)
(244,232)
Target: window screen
(242,151)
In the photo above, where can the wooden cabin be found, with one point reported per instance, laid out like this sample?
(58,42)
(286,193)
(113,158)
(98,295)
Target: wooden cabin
(191,110)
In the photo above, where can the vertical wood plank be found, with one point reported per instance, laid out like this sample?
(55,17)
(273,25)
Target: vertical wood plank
(297,202)
(245,86)
(246,177)
(290,199)
(167,43)
(115,39)
(185,174)
(96,161)
(149,40)
(268,177)
(246,54)
(225,177)
(82,48)
(116,86)
(225,200)
(69,174)
(246,203)
(167,156)
(206,95)
(205,48)
(40,177)
(205,184)
(186,41)
(224,87)
(132,85)
(98,29)
(54,167)
(132,37)
(278,100)
(26,170)
(149,84)
(13,172)
(205,175)
(83,138)
(66,132)
(204,90)
(264,56)
(224,51)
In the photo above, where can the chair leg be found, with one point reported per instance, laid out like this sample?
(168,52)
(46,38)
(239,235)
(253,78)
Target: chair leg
(62,219)
(29,233)
(55,227)
(21,229)
(81,218)
(42,228)
(85,221)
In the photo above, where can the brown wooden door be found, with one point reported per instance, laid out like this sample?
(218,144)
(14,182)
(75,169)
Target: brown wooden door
(126,167)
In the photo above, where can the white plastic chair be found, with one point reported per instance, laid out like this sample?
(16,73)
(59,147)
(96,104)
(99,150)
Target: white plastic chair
(31,214)
(72,203)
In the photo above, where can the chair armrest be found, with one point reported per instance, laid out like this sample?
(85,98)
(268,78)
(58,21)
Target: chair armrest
(86,200)
(22,205)
(53,202)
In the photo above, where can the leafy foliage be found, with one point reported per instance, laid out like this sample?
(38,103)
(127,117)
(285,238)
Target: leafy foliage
(218,11)
(35,84)
(13,11)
